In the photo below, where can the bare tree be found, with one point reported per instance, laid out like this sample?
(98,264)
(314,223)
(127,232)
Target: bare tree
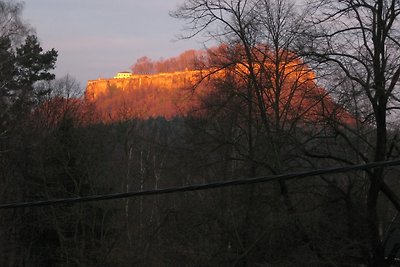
(273,89)
(12,25)
(360,40)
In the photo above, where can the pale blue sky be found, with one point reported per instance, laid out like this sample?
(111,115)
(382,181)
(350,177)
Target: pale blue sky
(97,38)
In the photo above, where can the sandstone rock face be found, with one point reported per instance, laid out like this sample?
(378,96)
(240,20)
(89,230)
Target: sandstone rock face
(181,93)
(143,96)
(164,81)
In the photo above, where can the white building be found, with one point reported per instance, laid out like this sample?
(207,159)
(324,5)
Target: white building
(123,75)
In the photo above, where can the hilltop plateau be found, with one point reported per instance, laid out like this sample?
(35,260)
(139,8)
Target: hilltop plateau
(189,84)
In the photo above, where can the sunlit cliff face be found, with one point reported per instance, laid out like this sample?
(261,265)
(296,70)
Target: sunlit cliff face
(183,93)
(143,96)
(287,90)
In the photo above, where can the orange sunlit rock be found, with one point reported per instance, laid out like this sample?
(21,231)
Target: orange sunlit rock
(144,96)
(178,93)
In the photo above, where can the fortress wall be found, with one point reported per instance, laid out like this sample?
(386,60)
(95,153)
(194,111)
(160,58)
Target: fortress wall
(164,81)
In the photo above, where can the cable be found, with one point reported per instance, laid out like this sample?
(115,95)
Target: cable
(198,187)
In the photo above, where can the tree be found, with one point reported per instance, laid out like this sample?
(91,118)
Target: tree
(11,24)
(267,91)
(143,65)
(22,67)
(33,64)
(359,40)
(7,68)
(22,63)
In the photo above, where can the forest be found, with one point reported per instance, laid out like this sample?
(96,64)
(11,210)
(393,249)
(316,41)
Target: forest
(286,91)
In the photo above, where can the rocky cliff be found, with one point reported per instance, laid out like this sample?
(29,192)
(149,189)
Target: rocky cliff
(179,93)
(144,96)
(164,81)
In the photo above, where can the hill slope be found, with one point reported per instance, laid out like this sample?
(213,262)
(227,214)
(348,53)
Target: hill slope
(181,93)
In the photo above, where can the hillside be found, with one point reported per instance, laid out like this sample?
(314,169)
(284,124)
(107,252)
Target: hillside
(150,93)
(181,93)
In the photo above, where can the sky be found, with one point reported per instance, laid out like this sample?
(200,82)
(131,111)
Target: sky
(98,38)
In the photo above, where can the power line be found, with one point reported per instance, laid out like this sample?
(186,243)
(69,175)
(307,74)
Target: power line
(198,187)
